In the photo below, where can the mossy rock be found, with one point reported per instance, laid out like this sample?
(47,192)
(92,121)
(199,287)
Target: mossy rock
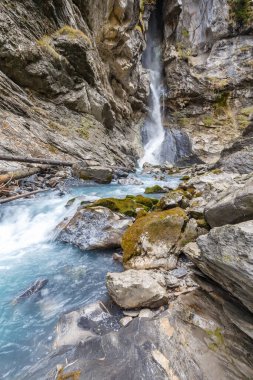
(160,227)
(155,190)
(129,206)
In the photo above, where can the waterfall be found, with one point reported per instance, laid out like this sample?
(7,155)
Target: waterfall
(153,131)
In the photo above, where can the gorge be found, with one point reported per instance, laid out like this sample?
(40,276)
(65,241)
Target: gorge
(126,244)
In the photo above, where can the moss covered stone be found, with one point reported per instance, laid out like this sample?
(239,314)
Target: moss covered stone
(156,233)
(129,206)
(155,190)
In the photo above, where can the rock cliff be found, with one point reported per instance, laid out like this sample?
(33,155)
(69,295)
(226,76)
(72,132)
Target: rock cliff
(72,84)
(208,50)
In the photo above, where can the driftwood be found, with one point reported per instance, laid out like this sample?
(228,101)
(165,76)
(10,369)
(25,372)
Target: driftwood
(35,160)
(6,200)
(18,174)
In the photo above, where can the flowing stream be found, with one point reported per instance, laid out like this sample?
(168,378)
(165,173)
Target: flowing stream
(28,251)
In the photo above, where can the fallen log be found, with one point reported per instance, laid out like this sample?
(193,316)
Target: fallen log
(32,160)
(18,174)
(25,195)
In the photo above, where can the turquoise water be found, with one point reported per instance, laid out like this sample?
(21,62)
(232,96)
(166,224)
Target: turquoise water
(28,251)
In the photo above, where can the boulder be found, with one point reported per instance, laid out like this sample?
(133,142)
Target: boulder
(233,206)
(156,189)
(225,255)
(137,288)
(170,200)
(151,242)
(94,228)
(98,174)
(128,206)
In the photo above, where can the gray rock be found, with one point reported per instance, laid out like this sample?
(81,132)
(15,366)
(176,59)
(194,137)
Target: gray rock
(94,228)
(97,174)
(170,200)
(233,206)
(225,255)
(137,288)
(146,313)
(125,321)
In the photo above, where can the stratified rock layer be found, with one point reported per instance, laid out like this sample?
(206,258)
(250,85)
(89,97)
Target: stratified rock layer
(225,255)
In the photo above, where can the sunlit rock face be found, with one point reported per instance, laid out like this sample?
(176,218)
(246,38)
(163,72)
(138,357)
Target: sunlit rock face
(208,49)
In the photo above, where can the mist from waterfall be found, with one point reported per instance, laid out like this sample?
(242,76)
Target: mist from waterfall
(153,131)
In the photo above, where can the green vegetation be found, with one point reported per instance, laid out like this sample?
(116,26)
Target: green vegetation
(218,338)
(241,12)
(155,190)
(129,206)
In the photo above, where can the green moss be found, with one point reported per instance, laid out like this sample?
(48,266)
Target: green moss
(128,206)
(185,33)
(217,337)
(241,12)
(202,223)
(185,178)
(155,190)
(216,171)
(208,121)
(159,226)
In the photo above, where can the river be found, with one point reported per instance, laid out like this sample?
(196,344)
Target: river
(28,251)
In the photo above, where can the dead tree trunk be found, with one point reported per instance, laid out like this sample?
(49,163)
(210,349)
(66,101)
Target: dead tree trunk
(18,174)
(6,200)
(35,160)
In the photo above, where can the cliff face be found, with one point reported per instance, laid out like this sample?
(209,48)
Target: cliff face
(208,56)
(71,81)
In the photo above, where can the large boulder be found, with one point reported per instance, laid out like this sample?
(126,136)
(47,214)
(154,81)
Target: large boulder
(225,255)
(98,174)
(151,242)
(137,288)
(94,228)
(233,206)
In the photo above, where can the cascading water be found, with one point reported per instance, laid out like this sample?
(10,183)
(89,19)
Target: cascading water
(153,132)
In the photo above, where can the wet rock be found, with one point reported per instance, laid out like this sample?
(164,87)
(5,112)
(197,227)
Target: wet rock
(137,289)
(231,207)
(94,228)
(225,255)
(151,242)
(117,257)
(130,181)
(80,325)
(34,288)
(97,174)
